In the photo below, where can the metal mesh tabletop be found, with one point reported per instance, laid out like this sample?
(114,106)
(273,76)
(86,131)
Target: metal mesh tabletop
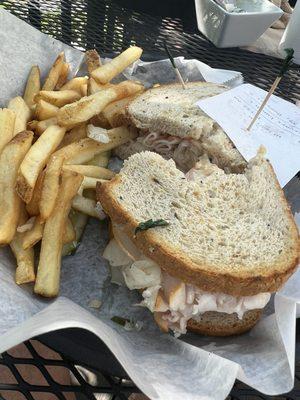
(110,26)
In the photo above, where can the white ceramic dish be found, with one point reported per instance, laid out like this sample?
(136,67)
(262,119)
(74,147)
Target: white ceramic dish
(234,29)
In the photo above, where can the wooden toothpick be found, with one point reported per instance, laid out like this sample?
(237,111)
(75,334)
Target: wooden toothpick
(174,66)
(285,66)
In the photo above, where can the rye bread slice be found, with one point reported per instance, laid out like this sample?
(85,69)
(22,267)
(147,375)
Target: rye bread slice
(229,233)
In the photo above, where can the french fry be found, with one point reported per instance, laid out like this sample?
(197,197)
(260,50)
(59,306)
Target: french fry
(84,109)
(58,98)
(87,148)
(54,73)
(25,258)
(114,113)
(44,110)
(90,171)
(107,72)
(36,159)
(10,203)
(79,222)
(75,153)
(69,233)
(100,121)
(32,207)
(84,90)
(75,134)
(100,160)
(89,183)
(88,193)
(7,124)
(93,60)
(85,205)
(41,126)
(75,83)
(48,274)
(34,235)
(63,77)
(94,87)
(33,86)
(32,125)
(51,185)
(22,111)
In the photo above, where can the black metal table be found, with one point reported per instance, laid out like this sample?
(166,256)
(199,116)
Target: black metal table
(110,26)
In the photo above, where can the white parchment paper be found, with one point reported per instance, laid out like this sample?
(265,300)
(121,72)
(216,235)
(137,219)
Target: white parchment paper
(163,367)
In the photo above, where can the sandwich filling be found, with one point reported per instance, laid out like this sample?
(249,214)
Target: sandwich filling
(172,301)
(184,151)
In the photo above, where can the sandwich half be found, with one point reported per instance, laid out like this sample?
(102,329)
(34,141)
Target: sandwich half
(207,248)
(170,123)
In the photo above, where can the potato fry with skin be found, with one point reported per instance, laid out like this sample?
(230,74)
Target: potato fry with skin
(44,110)
(92,60)
(107,72)
(100,121)
(58,98)
(84,109)
(33,86)
(75,83)
(85,205)
(25,258)
(90,171)
(10,203)
(51,185)
(89,183)
(22,111)
(32,207)
(34,235)
(7,124)
(75,134)
(32,125)
(48,274)
(41,126)
(36,159)
(54,73)
(63,76)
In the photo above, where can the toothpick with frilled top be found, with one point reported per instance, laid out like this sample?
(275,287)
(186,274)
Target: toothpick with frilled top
(174,66)
(285,66)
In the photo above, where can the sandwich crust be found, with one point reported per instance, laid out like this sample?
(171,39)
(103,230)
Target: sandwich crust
(220,324)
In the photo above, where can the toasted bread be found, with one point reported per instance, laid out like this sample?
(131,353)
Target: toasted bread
(228,233)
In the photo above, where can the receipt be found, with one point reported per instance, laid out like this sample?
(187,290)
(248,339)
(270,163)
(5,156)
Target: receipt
(277,128)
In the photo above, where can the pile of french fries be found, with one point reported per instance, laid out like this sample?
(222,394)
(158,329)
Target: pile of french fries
(49,167)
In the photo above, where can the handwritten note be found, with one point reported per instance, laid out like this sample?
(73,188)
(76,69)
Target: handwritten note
(277,128)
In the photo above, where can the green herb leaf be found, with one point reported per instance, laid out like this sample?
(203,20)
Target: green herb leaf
(169,55)
(287,61)
(143,226)
(119,320)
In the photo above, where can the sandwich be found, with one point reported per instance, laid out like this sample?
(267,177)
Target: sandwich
(169,123)
(205,248)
